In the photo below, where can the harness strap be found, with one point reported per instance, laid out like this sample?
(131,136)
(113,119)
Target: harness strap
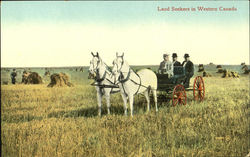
(127,78)
(124,89)
(137,83)
(121,77)
(124,80)
(98,79)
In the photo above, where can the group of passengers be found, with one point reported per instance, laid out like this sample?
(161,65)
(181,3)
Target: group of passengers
(167,66)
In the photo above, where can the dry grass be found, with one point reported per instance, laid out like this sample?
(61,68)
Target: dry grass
(41,121)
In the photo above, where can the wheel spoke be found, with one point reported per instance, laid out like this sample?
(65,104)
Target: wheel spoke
(182,102)
(199,88)
(179,95)
(175,102)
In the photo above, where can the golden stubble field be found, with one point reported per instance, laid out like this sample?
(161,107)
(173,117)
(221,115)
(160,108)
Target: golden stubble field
(41,121)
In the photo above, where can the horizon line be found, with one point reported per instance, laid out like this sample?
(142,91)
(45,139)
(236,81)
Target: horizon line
(108,65)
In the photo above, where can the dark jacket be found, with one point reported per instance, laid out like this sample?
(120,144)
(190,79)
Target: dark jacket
(13,74)
(177,63)
(189,68)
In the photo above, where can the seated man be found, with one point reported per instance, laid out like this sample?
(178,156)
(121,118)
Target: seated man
(166,66)
(175,62)
(189,70)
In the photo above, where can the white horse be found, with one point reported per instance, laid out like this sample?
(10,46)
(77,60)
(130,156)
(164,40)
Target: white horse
(104,81)
(131,83)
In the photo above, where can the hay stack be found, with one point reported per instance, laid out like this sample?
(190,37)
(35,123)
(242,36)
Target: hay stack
(31,78)
(59,80)
(81,69)
(235,74)
(201,68)
(246,70)
(220,70)
(228,73)
(47,73)
(218,66)
(34,78)
(25,77)
(205,74)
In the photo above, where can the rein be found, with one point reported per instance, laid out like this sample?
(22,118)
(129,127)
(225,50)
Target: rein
(99,79)
(122,81)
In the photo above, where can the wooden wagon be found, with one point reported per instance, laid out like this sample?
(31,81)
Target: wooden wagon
(174,86)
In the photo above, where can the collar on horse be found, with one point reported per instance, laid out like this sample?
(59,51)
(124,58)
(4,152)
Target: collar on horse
(122,81)
(121,78)
(98,79)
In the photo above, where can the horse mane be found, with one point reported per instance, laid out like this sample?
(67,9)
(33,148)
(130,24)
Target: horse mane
(104,64)
(126,65)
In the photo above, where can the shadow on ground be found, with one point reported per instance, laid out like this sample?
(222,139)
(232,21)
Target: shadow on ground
(86,112)
(140,106)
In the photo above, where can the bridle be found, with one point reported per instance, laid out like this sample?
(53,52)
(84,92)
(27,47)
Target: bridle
(96,67)
(121,64)
(122,80)
(98,61)
(99,78)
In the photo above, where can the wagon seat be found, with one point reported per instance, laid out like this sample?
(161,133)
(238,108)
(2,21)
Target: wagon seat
(179,75)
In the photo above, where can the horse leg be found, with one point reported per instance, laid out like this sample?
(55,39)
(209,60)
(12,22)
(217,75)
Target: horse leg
(131,101)
(124,98)
(99,101)
(146,94)
(155,99)
(108,101)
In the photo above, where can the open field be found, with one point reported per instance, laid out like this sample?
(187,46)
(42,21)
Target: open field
(41,121)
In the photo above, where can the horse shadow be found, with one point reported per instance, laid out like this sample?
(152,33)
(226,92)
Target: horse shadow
(140,106)
(86,112)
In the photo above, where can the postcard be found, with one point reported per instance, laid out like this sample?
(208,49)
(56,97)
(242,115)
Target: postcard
(125,78)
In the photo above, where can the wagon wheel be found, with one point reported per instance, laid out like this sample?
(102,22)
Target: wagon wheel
(179,95)
(199,88)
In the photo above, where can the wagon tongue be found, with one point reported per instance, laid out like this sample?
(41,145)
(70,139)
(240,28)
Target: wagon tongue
(104,85)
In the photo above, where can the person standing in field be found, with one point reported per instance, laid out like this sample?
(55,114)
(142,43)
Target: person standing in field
(175,62)
(13,76)
(166,66)
(189,70)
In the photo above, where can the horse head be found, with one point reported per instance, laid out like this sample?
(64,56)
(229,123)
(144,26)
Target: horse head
(94,65)
(118,64)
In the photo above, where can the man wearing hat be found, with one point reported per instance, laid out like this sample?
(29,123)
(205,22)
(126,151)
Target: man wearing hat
(166,66)
(189,70)
(175,62)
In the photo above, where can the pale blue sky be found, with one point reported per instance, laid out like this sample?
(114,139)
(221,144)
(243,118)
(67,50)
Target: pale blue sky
(44,30)
(120,12)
